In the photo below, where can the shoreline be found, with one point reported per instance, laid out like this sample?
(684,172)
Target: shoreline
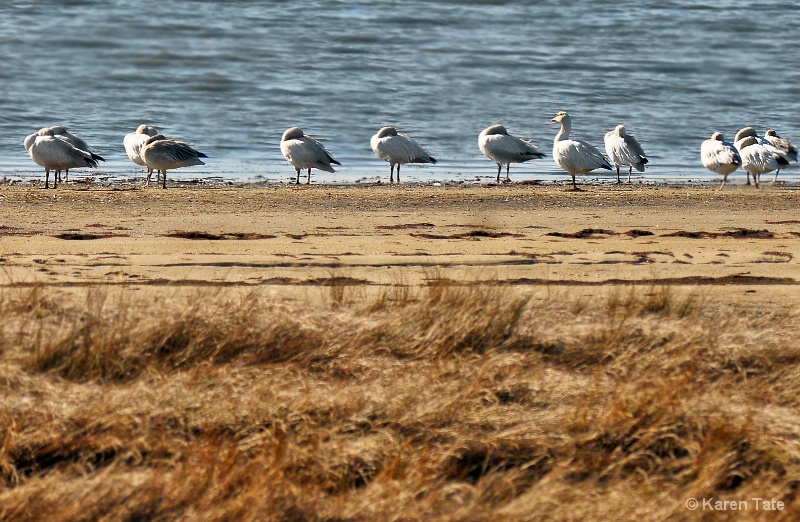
(418,177)
(216,182)
(291,238)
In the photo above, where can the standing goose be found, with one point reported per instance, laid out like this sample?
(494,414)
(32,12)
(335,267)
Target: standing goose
(161,153)
(504,149)
(62,133)
(785,146)
(720,156)
(304,152)
(56,154)
(135,140)
(398,149)
(741,136)
(575,156)
(623,149)
(759,159)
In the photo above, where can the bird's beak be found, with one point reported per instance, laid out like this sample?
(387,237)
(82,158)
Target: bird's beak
(553,120)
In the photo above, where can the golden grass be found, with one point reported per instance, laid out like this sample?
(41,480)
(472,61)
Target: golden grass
(468,402)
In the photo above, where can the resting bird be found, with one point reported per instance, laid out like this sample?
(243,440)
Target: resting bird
(161,153)
(398,149)
(135,140)
(62,133)
(54,153)
(759,159)
(720,156)
(623,149)
(741,136)
(575,156)
(785,146)
(305,152)
(501,147)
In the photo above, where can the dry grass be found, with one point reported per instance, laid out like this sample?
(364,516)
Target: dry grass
(438,403)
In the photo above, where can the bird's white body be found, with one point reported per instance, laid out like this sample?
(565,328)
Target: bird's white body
(61,132)
(57,154)
(744,134)
(575,156)
(623,149)
(398,149)
(720,156)
(759,159)
(785,146)
(305,152)
(504,149)
(135,140)
(161,153)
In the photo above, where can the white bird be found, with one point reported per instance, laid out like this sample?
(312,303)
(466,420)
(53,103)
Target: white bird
(161,153)
(720,156)
(54,153)
(759,159)
(398,149)
(741,136)
(623,149)
(62,133)
(785,146)
(575,156)
(133,144)
(504,149)
(305,152)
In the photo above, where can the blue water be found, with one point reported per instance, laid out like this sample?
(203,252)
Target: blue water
(231,76)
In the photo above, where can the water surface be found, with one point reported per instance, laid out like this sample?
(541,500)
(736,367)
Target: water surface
(231,76)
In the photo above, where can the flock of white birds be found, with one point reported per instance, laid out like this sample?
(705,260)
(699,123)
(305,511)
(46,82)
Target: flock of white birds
(56,149)
(755,154)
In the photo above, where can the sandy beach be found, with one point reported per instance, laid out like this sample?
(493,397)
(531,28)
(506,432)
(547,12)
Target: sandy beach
(285,239)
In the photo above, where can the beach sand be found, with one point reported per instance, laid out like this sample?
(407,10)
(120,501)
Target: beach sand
(739,243)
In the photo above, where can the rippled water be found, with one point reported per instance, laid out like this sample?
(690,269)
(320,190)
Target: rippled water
(231,76)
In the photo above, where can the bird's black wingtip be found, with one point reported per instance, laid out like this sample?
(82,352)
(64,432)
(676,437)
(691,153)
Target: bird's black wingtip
(97,157)
(432,159)
(532,155)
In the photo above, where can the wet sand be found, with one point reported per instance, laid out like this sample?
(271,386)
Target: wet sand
(741,244)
